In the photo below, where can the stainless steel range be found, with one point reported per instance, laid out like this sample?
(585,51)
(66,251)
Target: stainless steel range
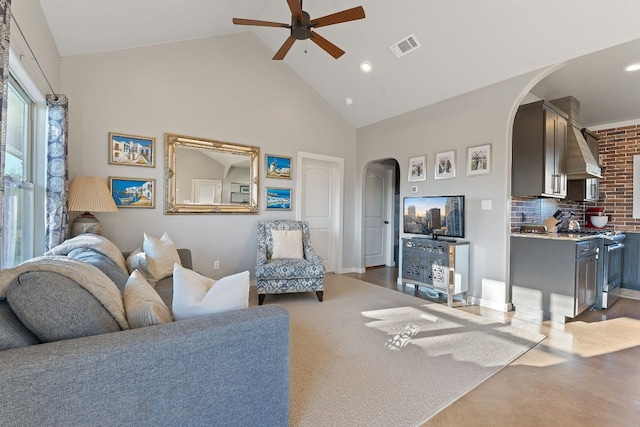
(609,269)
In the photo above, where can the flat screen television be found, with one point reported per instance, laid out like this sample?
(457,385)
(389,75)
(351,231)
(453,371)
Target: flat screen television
(435,216)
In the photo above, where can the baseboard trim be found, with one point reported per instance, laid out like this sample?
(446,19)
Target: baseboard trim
(503,307)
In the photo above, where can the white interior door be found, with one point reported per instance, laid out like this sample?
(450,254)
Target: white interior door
(207,191)
(318,202)
(376,223)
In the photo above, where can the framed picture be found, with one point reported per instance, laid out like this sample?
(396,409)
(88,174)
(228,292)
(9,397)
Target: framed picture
(417,168)
(445,166)
(479,160)
(133,192)
(278,166)
(131,150)
(278,199)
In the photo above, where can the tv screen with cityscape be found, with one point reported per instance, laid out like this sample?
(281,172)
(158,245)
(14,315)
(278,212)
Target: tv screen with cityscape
(434,216)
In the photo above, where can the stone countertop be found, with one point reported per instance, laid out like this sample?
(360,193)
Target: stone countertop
(576,237)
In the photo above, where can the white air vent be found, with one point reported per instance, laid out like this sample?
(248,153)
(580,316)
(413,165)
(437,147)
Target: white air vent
(405,46)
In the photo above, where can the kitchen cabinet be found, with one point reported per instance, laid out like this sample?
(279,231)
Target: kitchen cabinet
(538,144)
(631,261)
(439,264)
(586,190)
(552,278)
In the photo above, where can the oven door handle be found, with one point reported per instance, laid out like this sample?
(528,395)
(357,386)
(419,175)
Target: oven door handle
(615,247)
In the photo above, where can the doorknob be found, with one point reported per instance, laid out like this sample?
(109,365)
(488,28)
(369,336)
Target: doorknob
(386,222)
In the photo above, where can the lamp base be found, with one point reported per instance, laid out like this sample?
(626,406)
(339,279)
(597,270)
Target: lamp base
(86,223)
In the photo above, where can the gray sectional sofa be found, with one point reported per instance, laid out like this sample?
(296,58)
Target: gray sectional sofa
(228,369)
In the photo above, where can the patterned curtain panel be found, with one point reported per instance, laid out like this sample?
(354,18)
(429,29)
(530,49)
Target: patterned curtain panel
(57,219)
(5,9)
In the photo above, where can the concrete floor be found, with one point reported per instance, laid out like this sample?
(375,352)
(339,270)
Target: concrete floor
(587,374)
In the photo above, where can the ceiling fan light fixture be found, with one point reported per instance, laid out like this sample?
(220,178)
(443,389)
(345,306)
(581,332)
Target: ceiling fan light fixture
(366,67)
(632,67)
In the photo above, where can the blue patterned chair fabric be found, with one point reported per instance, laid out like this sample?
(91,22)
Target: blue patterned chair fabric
(278,276)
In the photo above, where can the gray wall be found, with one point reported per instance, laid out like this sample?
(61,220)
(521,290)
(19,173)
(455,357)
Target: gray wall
(216,88)
(480,117)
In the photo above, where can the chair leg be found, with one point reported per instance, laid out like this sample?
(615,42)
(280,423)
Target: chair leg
(261,298)
(319,295)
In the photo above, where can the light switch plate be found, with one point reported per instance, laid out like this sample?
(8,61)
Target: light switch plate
(486,205)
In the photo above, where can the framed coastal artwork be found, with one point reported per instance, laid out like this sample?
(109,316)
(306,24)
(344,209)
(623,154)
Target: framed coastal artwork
(479,160)
(131,150)
(133,192)
(278,166)
(417,168)
(445,166)
(278,199)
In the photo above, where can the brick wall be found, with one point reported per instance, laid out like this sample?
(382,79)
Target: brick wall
(617,148)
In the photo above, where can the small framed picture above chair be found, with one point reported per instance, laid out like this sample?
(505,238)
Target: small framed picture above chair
(278,199)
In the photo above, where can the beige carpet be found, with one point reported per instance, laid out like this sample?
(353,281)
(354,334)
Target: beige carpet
(370,356)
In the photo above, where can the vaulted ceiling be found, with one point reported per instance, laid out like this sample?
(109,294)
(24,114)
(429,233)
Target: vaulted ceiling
(465,45)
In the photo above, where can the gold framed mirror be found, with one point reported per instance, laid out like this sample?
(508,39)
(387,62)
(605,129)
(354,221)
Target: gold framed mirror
(205,176)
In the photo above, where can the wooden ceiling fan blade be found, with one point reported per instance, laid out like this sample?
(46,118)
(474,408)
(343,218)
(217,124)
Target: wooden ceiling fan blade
(296,8)
(338,17)
(326,45)
(280,54)
(242,21)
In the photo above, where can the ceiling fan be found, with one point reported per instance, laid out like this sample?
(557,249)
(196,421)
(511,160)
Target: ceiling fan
(302,25)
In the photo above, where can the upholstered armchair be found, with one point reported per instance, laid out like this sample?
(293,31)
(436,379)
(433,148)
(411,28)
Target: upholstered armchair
(286,261)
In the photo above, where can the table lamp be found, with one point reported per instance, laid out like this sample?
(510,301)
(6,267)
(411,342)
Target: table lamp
(89,193)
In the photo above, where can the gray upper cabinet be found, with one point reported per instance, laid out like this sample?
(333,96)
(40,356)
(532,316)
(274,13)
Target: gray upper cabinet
(539,139)
(586,190)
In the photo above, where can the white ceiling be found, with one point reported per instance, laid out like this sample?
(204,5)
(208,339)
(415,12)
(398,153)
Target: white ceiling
(466,45)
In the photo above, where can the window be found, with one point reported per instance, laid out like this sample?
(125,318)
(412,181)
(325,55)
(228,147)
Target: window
(18,229)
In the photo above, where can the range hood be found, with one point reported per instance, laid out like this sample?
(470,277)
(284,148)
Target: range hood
(579,160)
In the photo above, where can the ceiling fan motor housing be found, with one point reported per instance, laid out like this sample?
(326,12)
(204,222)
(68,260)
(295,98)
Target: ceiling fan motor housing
(300,30)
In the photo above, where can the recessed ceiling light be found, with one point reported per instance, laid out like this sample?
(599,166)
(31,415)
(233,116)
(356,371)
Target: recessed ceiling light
(632,67)
(348,101)
(366,67)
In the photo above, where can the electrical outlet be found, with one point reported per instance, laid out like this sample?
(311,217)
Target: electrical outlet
(216,264)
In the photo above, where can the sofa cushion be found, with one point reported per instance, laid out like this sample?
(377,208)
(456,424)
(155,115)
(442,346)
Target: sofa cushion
(195,295)
(103,263)
(155,259)
(287,244)
(143,305)
(54,307)
(13,334)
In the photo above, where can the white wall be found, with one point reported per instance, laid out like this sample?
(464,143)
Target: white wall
(30,19)
(480,117)
(219,88)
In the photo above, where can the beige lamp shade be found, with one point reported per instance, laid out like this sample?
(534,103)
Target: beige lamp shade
(89,193)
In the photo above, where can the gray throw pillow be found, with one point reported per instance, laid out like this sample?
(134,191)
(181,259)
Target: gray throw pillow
(13,334)
(54,307)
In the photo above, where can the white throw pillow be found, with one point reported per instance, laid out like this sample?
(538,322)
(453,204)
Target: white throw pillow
(137,261)
(161,254)
(287,244)
(195,295)
(142,304)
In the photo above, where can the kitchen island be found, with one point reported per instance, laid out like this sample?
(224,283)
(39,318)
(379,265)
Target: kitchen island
(553,276)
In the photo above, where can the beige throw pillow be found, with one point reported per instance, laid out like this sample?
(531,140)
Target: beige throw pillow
(142,304)
(287,244)
(156,258)
(195,295)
